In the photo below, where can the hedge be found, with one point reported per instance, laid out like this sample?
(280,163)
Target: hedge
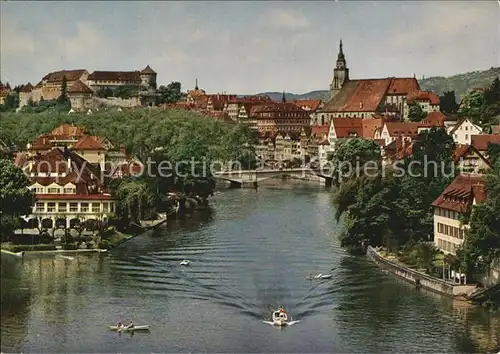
(70,246)
(20,248)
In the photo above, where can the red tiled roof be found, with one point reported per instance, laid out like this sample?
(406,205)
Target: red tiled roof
(57,76)
(435,118)
(403,128)
(320,130)
(148,70)
(481,142)
(311,105)
(129,76)
(100,196)
(418,95)
(278,108)
(87,142)
(370,126)
(460,194)
(68,130)
(460,151)
(403,85)
(347,127)
(79,87)
(26,88)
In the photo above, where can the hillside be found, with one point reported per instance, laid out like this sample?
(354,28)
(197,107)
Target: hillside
(460,83)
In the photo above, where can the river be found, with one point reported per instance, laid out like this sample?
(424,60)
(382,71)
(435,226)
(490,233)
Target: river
(249,255)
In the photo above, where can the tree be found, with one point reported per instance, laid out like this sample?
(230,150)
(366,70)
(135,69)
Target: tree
(352,154)
(170,93)
(448,102)
(15,197)
(494,153)
(415,112)
(63,97)
(482,240)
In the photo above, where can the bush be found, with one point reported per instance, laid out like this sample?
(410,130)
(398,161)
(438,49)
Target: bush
(105,244)
(20,248)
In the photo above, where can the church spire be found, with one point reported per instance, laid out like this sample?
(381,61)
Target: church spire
(283,98)
(341,56)
(196,86)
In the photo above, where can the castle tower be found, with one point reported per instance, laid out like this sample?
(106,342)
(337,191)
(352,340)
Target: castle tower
(148,77)
(340,73)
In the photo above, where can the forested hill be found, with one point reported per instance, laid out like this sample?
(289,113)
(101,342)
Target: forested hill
(460,83)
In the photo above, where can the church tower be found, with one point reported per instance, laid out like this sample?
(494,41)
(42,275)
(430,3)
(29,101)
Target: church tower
(340,73)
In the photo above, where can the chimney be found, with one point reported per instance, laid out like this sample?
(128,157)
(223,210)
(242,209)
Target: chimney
(361,105)
(69,167)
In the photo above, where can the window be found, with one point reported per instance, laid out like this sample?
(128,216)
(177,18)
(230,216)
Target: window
(96,208)
(51,207)
(105,207)
(62,208)
(84,207)
(53,190)
(466,136)
(69,190)
(73,207)
(40,207)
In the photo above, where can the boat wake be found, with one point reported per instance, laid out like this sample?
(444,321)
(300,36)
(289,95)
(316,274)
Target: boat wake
(287,324)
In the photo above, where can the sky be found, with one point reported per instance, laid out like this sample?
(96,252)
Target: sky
(248,47)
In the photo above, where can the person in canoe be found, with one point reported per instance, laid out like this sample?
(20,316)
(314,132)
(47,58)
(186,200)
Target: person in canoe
(130,325)
(119,325)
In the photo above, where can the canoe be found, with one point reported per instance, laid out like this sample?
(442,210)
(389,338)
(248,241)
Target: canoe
(125,329)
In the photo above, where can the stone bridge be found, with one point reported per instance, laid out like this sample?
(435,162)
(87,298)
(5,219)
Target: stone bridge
(251,178)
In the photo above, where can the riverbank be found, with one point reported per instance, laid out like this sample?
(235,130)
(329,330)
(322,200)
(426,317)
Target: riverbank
(420,279)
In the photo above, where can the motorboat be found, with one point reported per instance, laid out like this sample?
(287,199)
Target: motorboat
(129,329)
(185,262)
(280,317)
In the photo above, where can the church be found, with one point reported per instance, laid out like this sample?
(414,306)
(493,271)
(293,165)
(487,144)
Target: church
(367,98)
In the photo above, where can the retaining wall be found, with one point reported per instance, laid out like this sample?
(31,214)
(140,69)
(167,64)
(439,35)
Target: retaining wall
(420,279)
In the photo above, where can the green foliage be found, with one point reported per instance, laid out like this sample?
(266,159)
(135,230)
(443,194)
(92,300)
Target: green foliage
(63,99)
(394,207)
(420,255)
(415,112)
(11,102)
(448,102)
(15,198)
(482,241)
(126,91)
(353,153)
(170,93)
(494,153)
(483,108)
(105,92)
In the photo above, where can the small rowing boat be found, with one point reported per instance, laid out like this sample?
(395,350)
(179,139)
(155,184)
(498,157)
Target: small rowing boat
(15,254)
(65,257)
(129,329)
(185,262)
(319,276)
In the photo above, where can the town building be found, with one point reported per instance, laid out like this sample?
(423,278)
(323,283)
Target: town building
(470,160)
(481,142)
(95,150)
(312,107)
(463,131)
(450,208)
(67,188)
(365,98)
(280,116)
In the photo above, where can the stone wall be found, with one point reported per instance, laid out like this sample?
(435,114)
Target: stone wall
(420,279)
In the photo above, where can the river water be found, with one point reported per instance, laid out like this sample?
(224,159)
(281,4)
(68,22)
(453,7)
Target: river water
(249,255)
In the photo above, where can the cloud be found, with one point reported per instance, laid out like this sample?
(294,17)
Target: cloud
(284,19)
